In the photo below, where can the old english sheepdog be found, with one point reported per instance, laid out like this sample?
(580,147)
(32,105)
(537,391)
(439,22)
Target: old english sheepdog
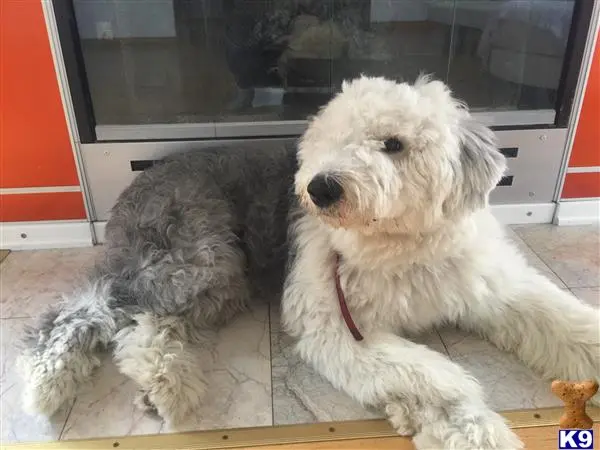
(382,214)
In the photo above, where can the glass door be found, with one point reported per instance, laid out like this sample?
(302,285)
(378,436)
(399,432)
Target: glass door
(188,69)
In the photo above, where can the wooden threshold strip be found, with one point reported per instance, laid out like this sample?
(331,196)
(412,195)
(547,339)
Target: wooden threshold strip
(538,428)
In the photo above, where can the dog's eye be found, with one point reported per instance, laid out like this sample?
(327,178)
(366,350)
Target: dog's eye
(393,145)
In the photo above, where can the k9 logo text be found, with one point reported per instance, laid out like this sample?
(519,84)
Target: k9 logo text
(575,439)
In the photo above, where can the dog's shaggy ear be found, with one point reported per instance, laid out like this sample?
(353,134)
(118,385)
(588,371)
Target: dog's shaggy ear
(481,164)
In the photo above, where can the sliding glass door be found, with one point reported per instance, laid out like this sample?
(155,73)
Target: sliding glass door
(147,78)
(180,69)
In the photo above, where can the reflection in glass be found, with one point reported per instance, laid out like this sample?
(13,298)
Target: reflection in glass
(508,54)
(203,61)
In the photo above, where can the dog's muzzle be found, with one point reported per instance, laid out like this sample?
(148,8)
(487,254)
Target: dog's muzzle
(324,190)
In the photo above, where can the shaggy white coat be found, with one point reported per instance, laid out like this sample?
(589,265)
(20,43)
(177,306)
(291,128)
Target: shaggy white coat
(420,248)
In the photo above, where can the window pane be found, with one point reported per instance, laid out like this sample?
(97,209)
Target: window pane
(133,60)
(277,58)
(207,61)
(507,54)
(393,38)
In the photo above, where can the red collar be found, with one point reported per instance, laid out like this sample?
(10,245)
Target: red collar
(342,301)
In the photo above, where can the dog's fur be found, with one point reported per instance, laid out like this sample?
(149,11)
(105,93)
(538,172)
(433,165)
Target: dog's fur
(418,247)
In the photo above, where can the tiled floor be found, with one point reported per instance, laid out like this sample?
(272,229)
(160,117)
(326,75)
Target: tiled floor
(255,377)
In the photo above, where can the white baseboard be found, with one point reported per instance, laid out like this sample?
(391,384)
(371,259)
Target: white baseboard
(99,228)
(505,214)
(519,214)
(62,234)
(44,235)
(578,212)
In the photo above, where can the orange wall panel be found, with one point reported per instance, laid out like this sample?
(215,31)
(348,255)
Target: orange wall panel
(582,185)
(35,148)
(586,146)
(43,206)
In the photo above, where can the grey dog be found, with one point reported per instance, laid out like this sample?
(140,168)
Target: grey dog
(188,244)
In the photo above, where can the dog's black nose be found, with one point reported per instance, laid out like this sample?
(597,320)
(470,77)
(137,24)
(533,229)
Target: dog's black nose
(324,190)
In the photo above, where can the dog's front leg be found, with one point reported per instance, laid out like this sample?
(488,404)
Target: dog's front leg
(422,391)
(548,328)
(155,352)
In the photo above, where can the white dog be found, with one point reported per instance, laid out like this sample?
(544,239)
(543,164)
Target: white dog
(394,236)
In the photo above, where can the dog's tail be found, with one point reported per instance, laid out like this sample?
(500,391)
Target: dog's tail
(59,352)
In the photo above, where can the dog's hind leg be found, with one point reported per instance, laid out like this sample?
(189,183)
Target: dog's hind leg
(155,352)
(60,351)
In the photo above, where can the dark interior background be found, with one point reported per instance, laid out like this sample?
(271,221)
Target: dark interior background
(194,61)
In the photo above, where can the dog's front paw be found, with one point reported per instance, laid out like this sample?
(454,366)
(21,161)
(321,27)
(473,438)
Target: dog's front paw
(174,399)
(465,430)
(399,417)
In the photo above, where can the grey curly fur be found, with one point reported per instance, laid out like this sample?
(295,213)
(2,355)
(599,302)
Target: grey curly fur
(190,241)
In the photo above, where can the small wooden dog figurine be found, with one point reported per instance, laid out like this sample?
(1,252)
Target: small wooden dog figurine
(574,395)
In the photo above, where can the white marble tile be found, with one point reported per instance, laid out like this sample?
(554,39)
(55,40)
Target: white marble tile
(239,395)
(299,389)
(32,280)
(301,395)
(282,345)
(533,259)
(15,424)
(572,252)
(590,295)
(239,374)
(106,408)
(287,408)
(507,383)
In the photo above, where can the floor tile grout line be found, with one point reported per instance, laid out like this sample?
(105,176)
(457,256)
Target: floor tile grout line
(579,298)
(437,331)
(542,259)
(62,431)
